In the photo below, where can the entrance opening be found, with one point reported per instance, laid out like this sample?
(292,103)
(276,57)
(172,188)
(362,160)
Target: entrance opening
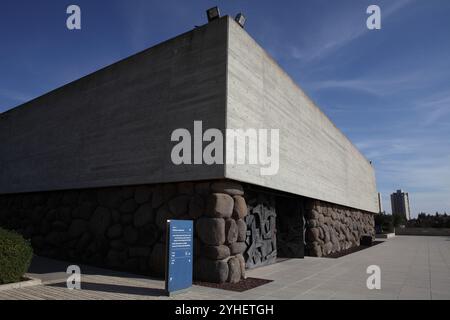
(275,227)
(290,227)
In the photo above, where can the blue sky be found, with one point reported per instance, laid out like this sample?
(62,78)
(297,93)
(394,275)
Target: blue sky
(387,90)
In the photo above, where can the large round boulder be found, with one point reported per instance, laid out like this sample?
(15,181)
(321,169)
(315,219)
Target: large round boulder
(321,219)
(179,206)
(234,270)
(327,248)
(83,211)
(238,248)
(100,221)
(228,187)
(59,225)
(316,250)
(148,235)
(143,215)
(115,231)
(163,193)
(215,252)
(118,245)
(312,234)
(84,241)
(215,271)
(220,205)
(142,194)
(231,231)
(129,206)
(130,235)
(211,231)
(77,228)
(312,214)
(241,259)
(311,223)
(242,230)
(240,207)
(126,219)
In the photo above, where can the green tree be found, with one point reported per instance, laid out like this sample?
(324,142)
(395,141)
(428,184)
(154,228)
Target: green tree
(399,220)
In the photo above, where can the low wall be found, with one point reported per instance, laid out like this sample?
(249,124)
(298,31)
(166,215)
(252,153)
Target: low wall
(332,228)
(422,232)
(124,227)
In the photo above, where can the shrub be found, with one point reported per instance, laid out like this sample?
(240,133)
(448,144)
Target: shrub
(384,223)
(399,220)
(15,256)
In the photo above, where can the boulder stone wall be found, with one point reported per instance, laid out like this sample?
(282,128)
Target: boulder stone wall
(124,228)
(332,228)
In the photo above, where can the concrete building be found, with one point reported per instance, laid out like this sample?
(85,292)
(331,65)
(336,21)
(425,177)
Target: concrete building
(400,204)
(87,170)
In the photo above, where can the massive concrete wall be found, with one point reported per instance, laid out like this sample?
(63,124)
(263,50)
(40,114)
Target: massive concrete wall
(316,159)
(113,127)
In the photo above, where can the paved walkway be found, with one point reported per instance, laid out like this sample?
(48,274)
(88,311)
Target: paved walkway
(411,268)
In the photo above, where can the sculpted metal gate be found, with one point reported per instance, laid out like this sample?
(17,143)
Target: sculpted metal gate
(261,232)
(275,228)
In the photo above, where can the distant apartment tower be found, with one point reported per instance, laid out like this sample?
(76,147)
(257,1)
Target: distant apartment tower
(400,204)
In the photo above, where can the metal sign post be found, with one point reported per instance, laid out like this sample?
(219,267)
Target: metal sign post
(179,256)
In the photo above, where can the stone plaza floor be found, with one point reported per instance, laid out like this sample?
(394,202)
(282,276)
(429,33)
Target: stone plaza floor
(412,267)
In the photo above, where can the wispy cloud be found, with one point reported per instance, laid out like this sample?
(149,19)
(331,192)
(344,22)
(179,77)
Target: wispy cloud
(329,37)
(386,82)
(382,148)
(435,108)
(420,165)
(374,85)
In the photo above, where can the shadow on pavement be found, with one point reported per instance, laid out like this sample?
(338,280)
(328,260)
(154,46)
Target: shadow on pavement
(48,269)
(113,288)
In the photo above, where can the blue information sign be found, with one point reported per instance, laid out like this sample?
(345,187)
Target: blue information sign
(179,255)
